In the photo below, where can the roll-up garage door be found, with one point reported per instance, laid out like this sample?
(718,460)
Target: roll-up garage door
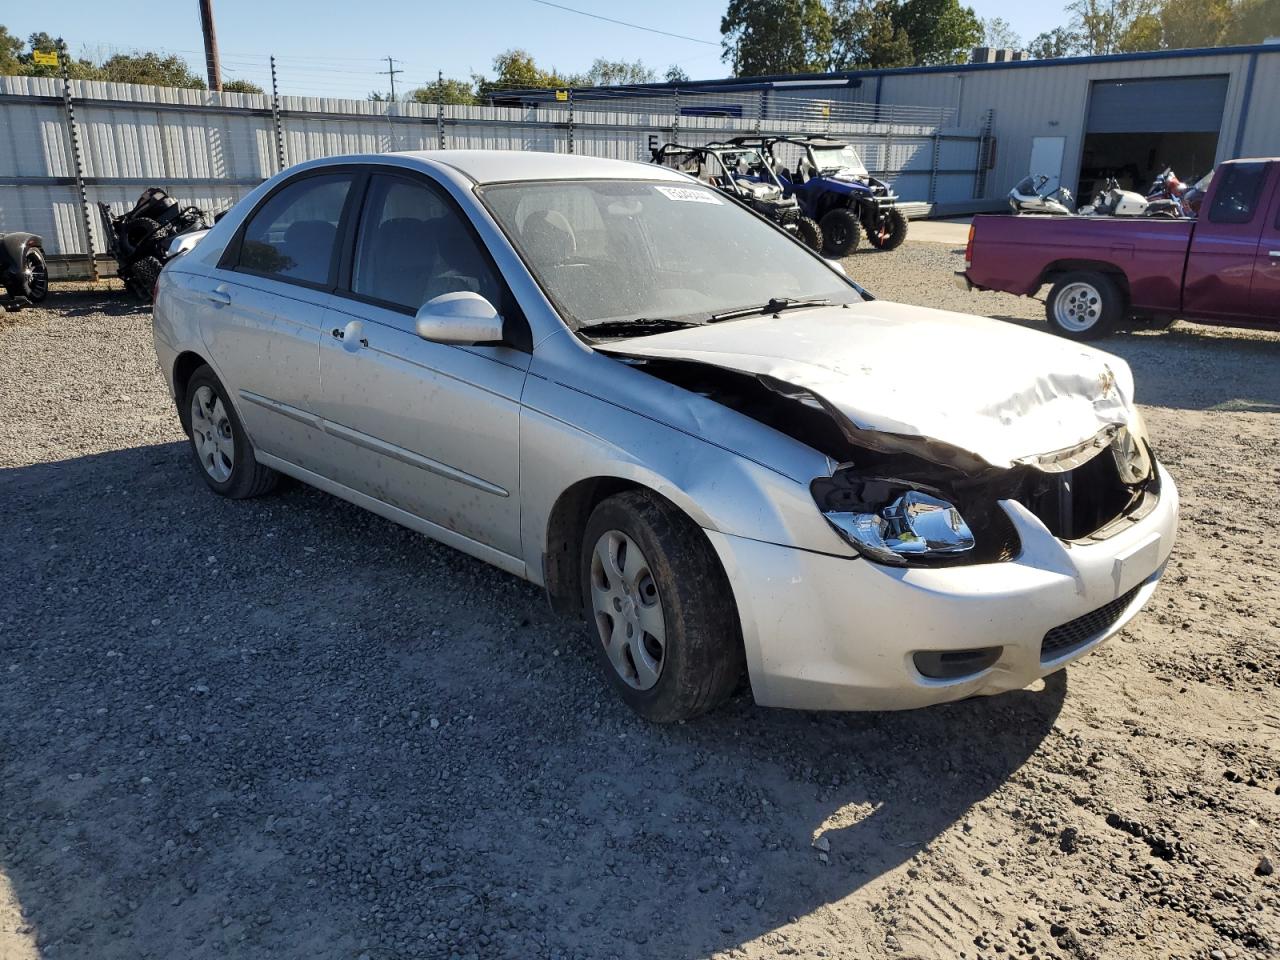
(1165,105)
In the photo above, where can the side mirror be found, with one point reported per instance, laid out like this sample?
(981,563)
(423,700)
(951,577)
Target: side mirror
(462,317)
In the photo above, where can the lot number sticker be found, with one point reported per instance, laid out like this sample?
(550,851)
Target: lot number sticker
(688,195)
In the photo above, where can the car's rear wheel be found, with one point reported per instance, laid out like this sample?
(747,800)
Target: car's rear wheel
(810,233)
(660,608)
(890,233)
(220,448)
(1084,305)
(841,232)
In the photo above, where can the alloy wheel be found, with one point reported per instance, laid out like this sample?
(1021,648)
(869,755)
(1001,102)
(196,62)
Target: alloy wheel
(628,610)
(211,433)
(36,275)
(1078,307)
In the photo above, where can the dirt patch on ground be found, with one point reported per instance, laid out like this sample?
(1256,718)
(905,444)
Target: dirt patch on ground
(287,728)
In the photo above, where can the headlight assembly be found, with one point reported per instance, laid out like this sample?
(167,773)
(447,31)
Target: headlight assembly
(893,522)
(1132,452)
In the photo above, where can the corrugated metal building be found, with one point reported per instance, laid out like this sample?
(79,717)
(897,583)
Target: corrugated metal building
(1076,119)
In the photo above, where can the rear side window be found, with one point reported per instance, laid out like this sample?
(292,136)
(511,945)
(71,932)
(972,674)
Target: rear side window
(1239,187)
(293,235)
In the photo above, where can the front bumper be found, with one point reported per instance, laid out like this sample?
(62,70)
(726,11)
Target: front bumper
(830,633)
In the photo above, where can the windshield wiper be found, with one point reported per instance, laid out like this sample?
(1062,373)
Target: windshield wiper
(651,324)
(775,305)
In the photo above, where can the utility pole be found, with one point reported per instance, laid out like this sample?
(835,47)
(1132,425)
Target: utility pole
(391,71)
(210,46)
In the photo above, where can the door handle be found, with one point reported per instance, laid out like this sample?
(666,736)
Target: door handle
(350,335)
(220,296)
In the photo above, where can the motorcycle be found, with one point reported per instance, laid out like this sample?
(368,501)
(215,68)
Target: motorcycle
(1185,196)
(140,239)
(1029,196)
(1111,201)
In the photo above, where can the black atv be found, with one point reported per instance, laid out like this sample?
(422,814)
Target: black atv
(832,185)
(741,173)
(139,239)
(23,272)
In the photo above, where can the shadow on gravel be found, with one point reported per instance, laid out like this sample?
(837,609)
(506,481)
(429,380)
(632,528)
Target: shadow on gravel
(287,728)
(1196,368)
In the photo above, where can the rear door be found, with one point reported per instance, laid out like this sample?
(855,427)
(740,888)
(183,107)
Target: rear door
(1224,246)
(268,297)
(1265,293)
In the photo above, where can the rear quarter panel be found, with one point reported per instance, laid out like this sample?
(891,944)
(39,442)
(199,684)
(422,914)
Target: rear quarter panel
(1016,254)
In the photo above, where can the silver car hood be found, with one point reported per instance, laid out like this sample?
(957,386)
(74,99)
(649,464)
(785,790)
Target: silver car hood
(913,378)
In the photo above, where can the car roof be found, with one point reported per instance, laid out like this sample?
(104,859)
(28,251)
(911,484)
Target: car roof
(500,166)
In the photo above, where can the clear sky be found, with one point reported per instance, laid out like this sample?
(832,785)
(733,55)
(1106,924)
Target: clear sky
(331,47)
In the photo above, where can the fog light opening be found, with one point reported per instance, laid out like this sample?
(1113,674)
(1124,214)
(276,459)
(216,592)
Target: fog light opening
(955,664)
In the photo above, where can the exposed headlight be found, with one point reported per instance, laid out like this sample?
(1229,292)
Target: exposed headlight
(913,525)
(1132,452)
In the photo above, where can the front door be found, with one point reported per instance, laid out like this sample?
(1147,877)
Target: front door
(1046,160)
(431,428)
(1265,292)
(1224,247)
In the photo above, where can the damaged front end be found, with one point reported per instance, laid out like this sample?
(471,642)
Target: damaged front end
(916,501)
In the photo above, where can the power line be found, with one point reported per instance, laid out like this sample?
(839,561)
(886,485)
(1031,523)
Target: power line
(624,23)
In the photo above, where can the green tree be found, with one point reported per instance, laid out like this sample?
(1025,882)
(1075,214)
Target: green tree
(1144,33)
(675,74)
(517,69)
(999,34)
(1205,23)
(607,73)
(776,36)
(1252,21)
(151,68)
(867,36)
(941,31)
(10,50)
(241,86)
(1103,24)
(445,91)
(1055,43)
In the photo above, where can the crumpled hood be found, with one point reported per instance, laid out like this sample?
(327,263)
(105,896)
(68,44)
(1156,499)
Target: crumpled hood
(1003,393)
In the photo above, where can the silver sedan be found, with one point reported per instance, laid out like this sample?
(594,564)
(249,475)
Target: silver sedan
(621,385)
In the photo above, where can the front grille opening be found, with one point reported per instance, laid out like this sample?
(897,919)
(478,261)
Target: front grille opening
(1081,631)
(954,664)
(1077,503)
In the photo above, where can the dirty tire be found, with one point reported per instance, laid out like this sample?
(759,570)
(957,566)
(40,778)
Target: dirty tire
(841,232)
(809,233)
(248,478)
(703,657)
(892,234)
(1085,305)
(143,276)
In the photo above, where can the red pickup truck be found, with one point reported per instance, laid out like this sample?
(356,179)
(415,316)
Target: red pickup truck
(1222,268)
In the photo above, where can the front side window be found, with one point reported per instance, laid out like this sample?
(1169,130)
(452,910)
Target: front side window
(1236,198)
(292,236)
(413,246)
(620,250)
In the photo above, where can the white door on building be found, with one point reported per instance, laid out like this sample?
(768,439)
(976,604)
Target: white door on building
(1046,159)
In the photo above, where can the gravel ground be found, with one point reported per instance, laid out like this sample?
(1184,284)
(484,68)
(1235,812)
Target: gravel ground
(287,728)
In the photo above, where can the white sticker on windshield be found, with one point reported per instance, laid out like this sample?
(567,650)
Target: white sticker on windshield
(689,195)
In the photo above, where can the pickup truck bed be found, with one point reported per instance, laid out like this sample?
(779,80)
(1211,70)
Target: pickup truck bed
(1223,268)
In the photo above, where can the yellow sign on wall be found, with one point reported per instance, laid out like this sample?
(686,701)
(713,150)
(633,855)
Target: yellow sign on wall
(562,94)
(42,59)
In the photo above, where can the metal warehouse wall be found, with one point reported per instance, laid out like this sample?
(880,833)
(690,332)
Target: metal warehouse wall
(1053,99)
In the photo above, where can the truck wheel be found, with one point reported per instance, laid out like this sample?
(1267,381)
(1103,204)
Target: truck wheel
(890,234)
(660,608)
(809,233)
(841,232)
(33,277)
(1084,305)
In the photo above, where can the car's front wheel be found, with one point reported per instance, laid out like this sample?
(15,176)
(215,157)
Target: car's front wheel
(660,608)
(220,448)
(1084,305)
